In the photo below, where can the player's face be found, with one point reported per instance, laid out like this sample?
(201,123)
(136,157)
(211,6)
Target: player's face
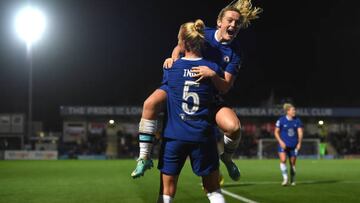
(229,25)
(291,112)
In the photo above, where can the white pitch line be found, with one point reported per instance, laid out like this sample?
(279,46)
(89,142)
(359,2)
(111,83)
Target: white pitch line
(238,197)
(299,182)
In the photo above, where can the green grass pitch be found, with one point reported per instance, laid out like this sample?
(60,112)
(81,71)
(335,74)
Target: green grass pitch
(109,181)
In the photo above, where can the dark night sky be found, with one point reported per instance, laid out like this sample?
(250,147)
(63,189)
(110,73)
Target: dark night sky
(107,52)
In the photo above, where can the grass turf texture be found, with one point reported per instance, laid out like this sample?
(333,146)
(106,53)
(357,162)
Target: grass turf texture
(109,181)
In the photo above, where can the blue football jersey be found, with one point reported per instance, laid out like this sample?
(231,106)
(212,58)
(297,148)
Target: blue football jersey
(226,55)
(288,130)
(188,115)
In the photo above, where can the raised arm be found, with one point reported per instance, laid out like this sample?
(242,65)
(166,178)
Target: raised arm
(175,55)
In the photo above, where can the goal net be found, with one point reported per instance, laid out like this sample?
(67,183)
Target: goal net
(268,149)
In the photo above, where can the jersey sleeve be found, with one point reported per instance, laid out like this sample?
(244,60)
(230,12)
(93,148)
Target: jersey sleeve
(165,77)
(217,69)
(278,123)
(300,124)
(234,65)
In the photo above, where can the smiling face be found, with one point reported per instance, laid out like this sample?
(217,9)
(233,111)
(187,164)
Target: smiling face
(228,26)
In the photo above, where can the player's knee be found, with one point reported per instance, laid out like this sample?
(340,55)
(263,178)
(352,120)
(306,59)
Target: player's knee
(233,128)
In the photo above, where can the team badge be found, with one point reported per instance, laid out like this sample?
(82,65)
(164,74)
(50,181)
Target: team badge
(226,59)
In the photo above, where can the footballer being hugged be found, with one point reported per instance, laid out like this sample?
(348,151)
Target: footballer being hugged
(289,134)
(188,128)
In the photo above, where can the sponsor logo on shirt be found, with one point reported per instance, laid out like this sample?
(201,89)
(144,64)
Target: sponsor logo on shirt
(291,132)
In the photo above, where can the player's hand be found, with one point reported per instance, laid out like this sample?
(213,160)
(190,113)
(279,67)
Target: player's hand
(282,145)
(202,72)
(168,63)
(298,147)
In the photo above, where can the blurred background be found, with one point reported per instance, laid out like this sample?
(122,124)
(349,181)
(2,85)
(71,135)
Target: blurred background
(86,78)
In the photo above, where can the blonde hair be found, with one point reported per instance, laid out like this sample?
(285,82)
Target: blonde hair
(245,9)
(192,33)
(287,107)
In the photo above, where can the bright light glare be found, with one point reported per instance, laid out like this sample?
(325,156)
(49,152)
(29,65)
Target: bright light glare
(321,122)
(30,24)
(111,122)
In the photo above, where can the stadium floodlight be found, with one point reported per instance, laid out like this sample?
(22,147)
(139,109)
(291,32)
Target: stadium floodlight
(30,24)
(321,122)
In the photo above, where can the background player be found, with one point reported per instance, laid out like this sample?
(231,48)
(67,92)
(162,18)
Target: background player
(289,134)
(189,129)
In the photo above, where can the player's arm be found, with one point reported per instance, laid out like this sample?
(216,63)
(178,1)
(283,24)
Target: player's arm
(231,71)
(300,132)
(175,55)
(277,137)
(221,84)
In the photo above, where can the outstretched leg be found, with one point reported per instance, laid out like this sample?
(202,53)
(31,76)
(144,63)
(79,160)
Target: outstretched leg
(147,130)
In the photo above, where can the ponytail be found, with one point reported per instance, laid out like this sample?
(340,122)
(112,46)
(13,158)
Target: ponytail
(192,33)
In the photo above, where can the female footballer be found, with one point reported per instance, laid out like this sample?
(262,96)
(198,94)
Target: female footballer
(224,51)
(289,134)
(188,130)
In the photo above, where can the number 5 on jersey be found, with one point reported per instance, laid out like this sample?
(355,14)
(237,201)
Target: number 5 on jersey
(193,95)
